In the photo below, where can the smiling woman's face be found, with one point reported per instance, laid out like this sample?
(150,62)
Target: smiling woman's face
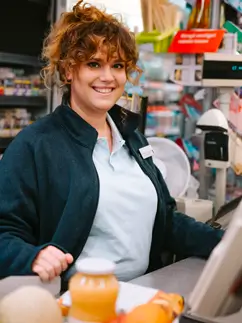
(97,84)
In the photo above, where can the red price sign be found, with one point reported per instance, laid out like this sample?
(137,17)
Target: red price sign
(196,41)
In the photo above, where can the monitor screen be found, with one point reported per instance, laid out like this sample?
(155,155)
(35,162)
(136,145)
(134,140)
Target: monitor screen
(218,291)
(222,70)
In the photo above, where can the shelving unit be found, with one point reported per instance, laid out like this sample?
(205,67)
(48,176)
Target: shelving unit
(20,60)
(22,101)
(35,105)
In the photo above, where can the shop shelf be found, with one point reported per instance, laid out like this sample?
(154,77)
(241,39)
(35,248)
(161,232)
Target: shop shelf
(22,101)
(4,142)
(21,60)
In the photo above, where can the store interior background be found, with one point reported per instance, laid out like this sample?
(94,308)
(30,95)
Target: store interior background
(23,26)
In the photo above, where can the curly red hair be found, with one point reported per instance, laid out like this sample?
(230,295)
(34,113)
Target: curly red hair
(78,35)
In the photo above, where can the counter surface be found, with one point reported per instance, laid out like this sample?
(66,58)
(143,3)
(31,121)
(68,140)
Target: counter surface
(179,277)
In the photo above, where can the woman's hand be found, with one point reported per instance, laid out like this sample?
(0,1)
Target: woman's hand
(51,262)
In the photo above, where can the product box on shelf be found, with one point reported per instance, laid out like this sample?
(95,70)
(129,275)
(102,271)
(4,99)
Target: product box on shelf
(187,70)
(12,121)
(16,82)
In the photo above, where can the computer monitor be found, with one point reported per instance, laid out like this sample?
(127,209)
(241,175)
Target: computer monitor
(218,291)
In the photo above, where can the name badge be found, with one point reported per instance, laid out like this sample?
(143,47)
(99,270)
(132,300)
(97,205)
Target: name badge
(146,151)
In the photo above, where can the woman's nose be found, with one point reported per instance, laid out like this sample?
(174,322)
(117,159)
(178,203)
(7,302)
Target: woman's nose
(106,74)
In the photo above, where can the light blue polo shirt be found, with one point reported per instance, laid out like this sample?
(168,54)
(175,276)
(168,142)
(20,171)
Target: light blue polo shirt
(122,229)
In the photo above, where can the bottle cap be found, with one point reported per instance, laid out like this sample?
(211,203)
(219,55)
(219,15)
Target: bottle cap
(95,266)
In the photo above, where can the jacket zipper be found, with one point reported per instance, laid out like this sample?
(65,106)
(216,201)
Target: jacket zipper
(95,205)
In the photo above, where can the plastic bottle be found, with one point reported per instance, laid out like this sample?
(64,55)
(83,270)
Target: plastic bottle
(200,15)
(94,291)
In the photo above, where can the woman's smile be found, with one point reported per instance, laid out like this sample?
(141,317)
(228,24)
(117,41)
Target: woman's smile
(103,90)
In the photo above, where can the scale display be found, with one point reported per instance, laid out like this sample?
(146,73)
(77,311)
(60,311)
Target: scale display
(222,70)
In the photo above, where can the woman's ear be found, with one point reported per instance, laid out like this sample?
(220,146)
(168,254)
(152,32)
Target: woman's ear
(69,73)
(69,76)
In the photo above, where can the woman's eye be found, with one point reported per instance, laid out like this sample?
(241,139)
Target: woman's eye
(93,64)
(118,65)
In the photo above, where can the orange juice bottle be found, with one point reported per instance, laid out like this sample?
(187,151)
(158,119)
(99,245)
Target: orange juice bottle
(94,291)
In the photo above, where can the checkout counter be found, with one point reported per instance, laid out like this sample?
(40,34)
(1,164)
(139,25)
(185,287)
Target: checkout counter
(212,288)
(180,277)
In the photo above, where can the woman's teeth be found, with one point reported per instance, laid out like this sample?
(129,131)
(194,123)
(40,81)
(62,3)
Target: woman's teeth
(103,90)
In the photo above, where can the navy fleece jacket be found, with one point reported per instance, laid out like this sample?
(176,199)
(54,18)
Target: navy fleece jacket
(49,192)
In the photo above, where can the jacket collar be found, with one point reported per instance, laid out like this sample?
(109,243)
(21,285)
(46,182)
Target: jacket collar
(127,122)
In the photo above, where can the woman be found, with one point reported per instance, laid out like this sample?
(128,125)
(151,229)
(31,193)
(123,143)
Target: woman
(77,183)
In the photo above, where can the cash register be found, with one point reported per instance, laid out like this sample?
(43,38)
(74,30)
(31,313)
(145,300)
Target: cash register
(217,296)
